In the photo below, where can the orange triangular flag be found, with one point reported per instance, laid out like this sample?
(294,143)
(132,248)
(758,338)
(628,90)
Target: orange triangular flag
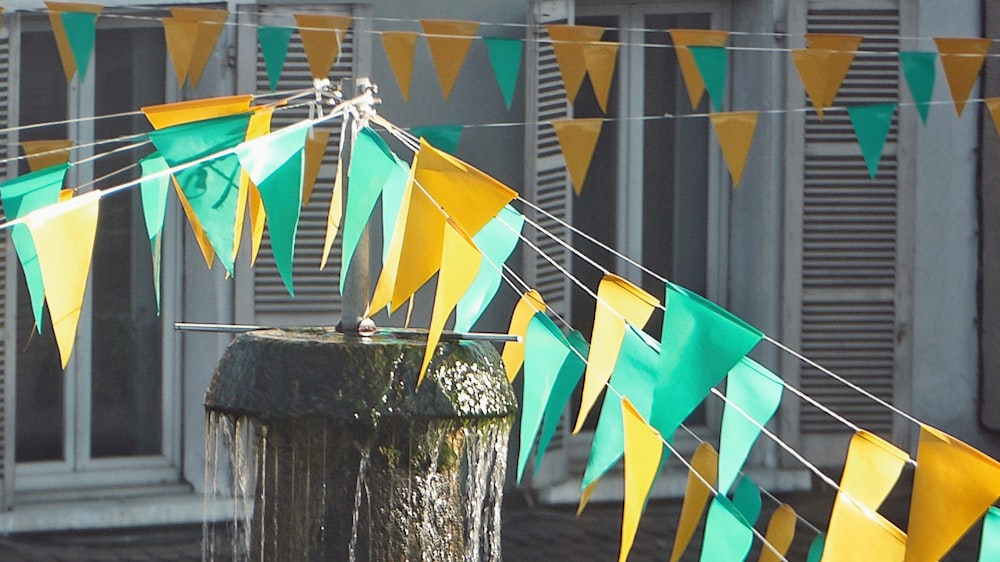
(618,301)
(780,532)
(259,125)
(208,27)
(643,449)
(704,463)
(207,251)
(600,61)
(170,114)
(399,47)
(180,37)
(953,485)
(460,259)
(333,216)
(316,143)
(64,238)
(567,43)
(735,131)
(449,43)
(257,218)
(578,139)
(993,104)
(684,38)
(862,531)
(44,153)
(59,30)
(824,64)
(513,351)
(321,38)
(962,59)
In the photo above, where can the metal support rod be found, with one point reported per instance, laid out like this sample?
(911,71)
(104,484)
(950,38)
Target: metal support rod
(394,332)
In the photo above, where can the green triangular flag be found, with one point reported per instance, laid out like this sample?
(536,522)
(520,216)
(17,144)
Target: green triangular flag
(919,69)
(154,192)
(80,32)
(505,57)
(989,545)
(496,241)
(545,349)
(757,392)
(441,137)
(274,46)
(727,534)
(210,187)
(871,125)
(21,196)
(569,376)
(746,499)
(713,64)
(816,548)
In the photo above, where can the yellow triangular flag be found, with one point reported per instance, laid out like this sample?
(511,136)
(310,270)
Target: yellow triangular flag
(993,104)
(257,219)
(600,60)
(618,301)
(578,139)
(780,532)
(861,533)
(824,64)
(333,216)
(207,251)
(513,351)
(322,35)
(170,114)
(643,449)
(64,238)
(567,43)
(704,462)
(449,42)
(962,59)
(316,143)
(953,486)
(735,131)
(399,47)
(44,153)
(259,125)
(56,10)
(684,38)
(208,27)
(585,496)
(459,265)
(180,37)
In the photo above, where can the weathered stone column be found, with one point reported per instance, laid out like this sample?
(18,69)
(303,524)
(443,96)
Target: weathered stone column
(352,461)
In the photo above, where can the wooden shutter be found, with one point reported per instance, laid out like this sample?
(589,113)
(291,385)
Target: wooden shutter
(8,265)
(547,185)
(264,299)
(845,298)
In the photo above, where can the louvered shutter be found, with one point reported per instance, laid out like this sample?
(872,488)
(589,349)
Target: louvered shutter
(847,298)
(547,185)
(8,143)
(264,299)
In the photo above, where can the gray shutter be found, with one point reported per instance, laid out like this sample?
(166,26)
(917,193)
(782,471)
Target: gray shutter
(547,185)
(847,295)
(8,143)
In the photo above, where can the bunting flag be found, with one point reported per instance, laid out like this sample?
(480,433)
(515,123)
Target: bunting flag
(871,470)
(44,154)
(567,44)
(757,392)
(728,536)
(170,114)
(918,68)
(258,216)
(643,451)
(392,200)
(442,137)
(713,66)
(513,351)
(200,236)
(618,302)
(683,39)
(962,58)
(73,25)
(599,59)
(953,485)
(505,59)
(399,47)
(569,375)
(191,35)
(274,48)
(704,468)
(545,350)
(316,144)
(735,132)
(449,42)
(153,191)
(816,548)
(321,35)
(23,195)
(333,218)
(746,499)
(989,544)
(440,186)
(459,263)
(212,187)
(497,241)
(871,125)
(249,193)
(780,532)
(578,139)
(823,65)
(993,105)
(64,236)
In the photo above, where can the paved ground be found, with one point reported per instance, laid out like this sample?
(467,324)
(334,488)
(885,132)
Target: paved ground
(540,533)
